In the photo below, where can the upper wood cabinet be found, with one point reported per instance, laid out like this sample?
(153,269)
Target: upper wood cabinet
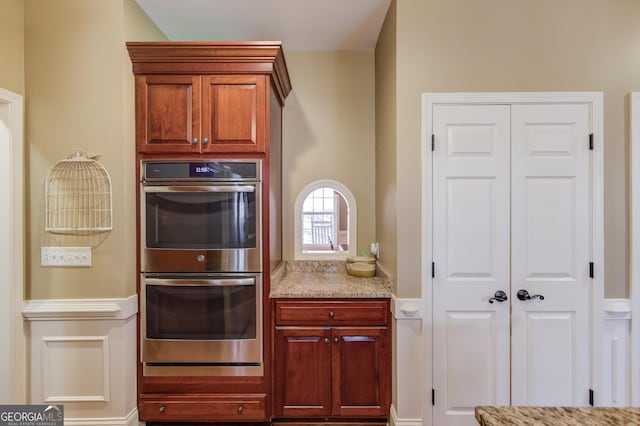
(194,98)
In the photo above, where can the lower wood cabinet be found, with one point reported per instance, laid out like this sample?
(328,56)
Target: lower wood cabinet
(205,408)
(332,359)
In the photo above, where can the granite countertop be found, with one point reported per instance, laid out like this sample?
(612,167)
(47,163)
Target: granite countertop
(557,416)
(326,279)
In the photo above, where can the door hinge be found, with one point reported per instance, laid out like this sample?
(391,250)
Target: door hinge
(433,397)
(433,269)
(433,142)
(591,141)
(590,269)
(591,397)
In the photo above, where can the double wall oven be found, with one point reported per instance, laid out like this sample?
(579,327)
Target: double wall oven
(201,267)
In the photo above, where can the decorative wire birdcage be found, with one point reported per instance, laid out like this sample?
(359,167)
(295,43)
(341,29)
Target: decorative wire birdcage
(78,196)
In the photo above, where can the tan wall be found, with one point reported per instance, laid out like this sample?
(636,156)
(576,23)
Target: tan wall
(12,45)
(329,133)
(386,134)
(79,98)
(502,45)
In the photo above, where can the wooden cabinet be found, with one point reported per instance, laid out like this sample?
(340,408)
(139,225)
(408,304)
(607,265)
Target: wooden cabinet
(332,359)
(183,114)
(208,98)
(204,101)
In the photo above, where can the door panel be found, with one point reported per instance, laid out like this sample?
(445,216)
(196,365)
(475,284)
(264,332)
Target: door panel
(551,251)
(471,255)
(549,331)
(359,373)
(303,368)
(234,115)
(168,113)
(471,333)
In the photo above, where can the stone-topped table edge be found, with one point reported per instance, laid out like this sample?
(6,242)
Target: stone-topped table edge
(326,279)
(556,416)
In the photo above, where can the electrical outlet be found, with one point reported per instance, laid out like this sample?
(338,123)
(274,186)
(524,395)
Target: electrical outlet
(65,256)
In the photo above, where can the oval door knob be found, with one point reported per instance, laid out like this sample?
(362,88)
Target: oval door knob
(331,314)
(194,141)
(524,295)
(500,296)
(326,340)
(205,140)
(336,340)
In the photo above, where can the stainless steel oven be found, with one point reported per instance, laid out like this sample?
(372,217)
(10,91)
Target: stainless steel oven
(201,324)
(201,216)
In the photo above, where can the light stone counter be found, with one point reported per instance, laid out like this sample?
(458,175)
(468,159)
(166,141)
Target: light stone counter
(326,279)
(557,416)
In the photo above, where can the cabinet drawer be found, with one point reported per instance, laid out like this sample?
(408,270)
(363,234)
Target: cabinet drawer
(236,408)
(331,313)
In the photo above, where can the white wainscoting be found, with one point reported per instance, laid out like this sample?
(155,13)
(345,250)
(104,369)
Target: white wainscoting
(82,354)
(406,409)
(616,362)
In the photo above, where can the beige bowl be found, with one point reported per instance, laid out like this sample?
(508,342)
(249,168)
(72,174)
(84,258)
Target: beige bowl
(361,259)
(359,269)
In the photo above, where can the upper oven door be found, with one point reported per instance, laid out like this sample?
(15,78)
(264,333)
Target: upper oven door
(203,227)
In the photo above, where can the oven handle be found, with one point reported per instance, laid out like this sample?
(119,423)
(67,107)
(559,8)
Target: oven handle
(218,282)
(210,188)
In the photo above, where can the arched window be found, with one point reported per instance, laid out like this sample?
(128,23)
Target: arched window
(325,221)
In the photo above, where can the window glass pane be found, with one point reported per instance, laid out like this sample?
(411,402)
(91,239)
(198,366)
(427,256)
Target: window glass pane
(324,217)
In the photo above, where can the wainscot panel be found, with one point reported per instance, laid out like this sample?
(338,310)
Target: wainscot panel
(82,355)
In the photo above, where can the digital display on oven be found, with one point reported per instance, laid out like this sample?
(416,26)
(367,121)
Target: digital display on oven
(201,170)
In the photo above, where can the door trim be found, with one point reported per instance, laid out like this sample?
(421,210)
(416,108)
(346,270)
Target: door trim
(595,102)
(634,245)
(13,105)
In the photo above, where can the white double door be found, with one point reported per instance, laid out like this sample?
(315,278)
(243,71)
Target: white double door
(511,212)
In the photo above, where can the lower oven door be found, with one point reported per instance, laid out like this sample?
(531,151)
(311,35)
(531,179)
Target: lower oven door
(212,320)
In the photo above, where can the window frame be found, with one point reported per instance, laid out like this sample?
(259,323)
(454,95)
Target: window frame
(300,252)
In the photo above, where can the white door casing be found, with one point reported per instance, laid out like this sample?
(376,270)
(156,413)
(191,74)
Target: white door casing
(561,275)
(13,352)
(470,245)
(551,237)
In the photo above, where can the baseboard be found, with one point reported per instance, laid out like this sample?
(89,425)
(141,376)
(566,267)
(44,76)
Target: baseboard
(395,421)
(130,420)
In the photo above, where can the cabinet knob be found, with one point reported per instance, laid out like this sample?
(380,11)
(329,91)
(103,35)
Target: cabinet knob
(161,409)
(326,340)
(194,141)
(331,314)
(336,340)
(205,140)
(240,409)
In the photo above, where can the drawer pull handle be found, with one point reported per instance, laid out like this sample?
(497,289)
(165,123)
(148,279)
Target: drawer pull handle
(240,409)
(161,409)
(331,314)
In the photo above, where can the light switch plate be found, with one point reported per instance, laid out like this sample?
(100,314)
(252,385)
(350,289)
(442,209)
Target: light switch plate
(65,256)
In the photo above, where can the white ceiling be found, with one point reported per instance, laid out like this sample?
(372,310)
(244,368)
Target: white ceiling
(299,24)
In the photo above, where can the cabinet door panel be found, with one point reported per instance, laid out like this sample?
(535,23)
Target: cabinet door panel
(234,113)
(168,114)
(360,372)
(303,372)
